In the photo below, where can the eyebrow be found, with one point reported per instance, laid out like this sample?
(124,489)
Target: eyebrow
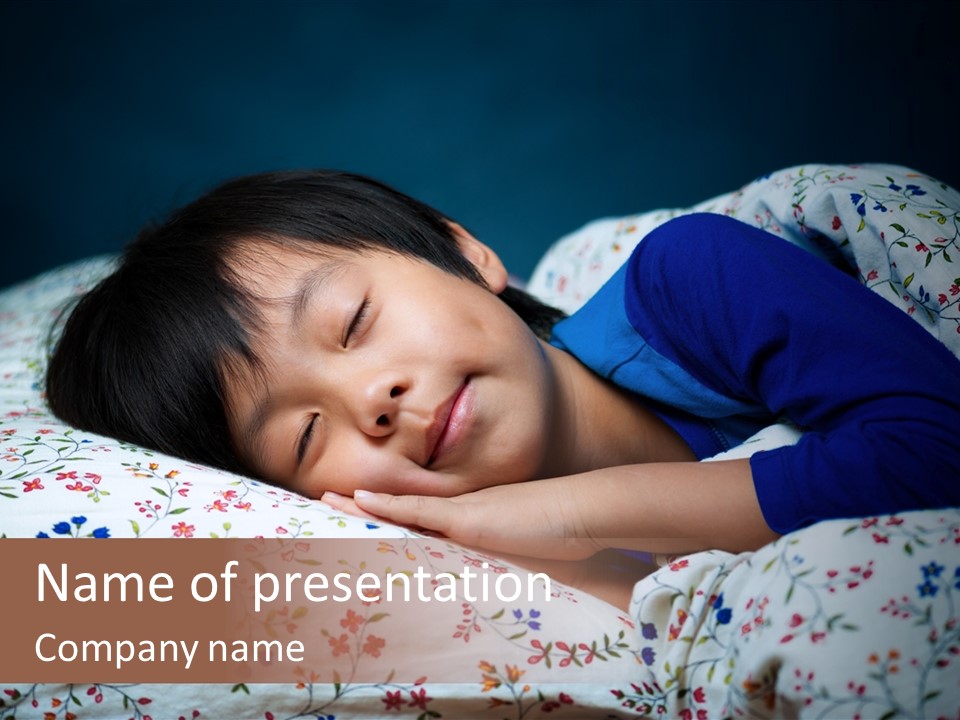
(308,285)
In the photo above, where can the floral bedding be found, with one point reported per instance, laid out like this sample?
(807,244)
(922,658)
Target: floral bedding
(848,618)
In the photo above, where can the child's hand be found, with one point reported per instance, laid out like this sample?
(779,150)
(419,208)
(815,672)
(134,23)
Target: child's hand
(528,518)
(345,504)
(657,507)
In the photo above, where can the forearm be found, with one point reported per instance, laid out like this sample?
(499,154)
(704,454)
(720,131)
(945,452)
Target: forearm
(658,507)
(670,507)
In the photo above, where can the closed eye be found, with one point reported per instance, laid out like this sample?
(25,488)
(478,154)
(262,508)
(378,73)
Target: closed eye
(357,321)
(304,442)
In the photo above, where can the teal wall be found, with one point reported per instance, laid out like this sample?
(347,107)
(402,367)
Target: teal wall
(520,119)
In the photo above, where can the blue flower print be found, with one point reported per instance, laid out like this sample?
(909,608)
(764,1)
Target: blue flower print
(532,622)
(72,529)
(932,570)
(648,655)
(648,630)
(928,589)
(724,615)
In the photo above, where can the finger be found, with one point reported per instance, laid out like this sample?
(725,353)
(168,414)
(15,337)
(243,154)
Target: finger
(346,505)
(412,510)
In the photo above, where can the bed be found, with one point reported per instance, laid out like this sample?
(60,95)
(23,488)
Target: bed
(848,618)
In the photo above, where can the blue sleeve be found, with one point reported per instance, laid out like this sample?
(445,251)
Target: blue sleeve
(758,319)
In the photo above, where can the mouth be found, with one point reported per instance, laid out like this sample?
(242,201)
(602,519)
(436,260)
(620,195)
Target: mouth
(448,423)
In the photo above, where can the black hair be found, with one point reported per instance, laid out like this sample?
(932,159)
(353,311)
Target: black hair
(142,356)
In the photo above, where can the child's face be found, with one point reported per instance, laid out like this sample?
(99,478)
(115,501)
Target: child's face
(388,374)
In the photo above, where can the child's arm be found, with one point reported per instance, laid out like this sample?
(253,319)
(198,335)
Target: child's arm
(657,507)
(738,321)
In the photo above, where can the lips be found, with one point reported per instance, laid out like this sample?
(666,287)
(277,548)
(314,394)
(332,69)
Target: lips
(448,422)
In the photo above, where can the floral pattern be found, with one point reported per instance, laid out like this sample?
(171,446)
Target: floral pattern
(798,626)
(845,619)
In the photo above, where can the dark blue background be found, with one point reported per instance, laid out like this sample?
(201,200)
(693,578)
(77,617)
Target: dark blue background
(522,120)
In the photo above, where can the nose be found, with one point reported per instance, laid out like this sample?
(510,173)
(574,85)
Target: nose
(378,403)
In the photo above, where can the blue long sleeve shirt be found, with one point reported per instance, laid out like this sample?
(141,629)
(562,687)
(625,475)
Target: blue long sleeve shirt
(725,329)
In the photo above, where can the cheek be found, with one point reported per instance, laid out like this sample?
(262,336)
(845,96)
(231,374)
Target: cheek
(346,467)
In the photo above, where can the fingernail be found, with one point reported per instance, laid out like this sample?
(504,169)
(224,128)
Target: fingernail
(330,496)
(362,495)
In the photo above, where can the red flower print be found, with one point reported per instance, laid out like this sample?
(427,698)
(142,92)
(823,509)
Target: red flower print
(796,620)
(44,431)
(34,484)
(836,224)
(534,659)
(80,487)
(340,645)
(699,695)
(673,632)
(419,698)
(393,700)
(353,621)
(922,248)
(373,646)
(72,475)
(181,529)
(92,476)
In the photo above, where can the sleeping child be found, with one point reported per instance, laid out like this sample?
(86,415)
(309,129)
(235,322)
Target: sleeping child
(328,334)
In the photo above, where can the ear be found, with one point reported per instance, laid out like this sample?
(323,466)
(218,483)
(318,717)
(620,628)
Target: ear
(482,257)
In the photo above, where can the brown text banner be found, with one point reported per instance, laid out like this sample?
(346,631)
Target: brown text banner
(318,610)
